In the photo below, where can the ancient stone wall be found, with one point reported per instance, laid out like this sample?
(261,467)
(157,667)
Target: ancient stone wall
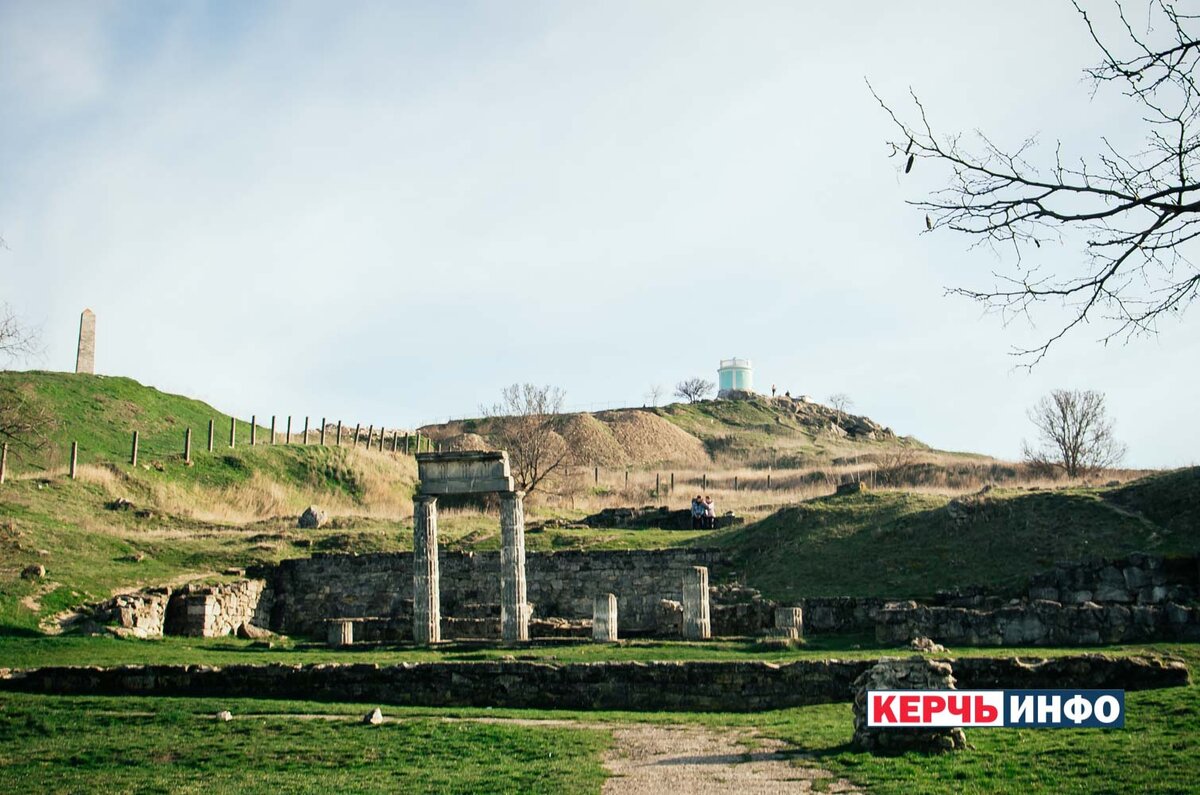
(1136,579)
(559,584)
(836,614)
(1038,623)
(694,685)
(218,610)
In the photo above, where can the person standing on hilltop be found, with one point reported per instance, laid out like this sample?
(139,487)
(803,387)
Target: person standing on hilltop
(710,513)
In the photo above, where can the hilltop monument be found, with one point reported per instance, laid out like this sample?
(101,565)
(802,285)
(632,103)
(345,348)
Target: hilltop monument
(85,356)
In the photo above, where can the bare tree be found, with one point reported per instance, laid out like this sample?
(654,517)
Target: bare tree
(841,403)
(1129,213)
(528,423)
(655,394)
(1075,433)
(23,423)
(694,389)
(893,465)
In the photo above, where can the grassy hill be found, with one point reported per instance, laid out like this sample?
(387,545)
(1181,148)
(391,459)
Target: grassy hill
(898,544)
(118,526)
(750,430)
(225,509)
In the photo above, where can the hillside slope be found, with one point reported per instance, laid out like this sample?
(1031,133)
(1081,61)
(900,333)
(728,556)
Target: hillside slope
(118,525)
(748,430)
(904,545)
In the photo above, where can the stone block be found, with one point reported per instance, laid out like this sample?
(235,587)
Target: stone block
(464,472)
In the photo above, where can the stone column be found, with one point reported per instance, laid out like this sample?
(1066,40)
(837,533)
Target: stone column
(514,608)
(604,618)
(427,605)
(789,622)
(85,355)
(340,632)
(696,622)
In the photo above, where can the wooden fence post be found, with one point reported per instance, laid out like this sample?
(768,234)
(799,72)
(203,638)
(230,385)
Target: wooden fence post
(187,446)
(370,435)
(381,433)
(395,440)
(356,429)
(768,481)
(627,478)
(232,432)
(322,431)
(657,481)
(406,442)
(704,482)
(74,458)
(211,426)
(3,462)
(253,429)
(735,483)
(596,475)
(272,429)
(288,438)
(672,482)
(338,438)
(305,431)
(133,453)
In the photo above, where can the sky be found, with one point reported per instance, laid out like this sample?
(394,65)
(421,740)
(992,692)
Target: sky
(387,212)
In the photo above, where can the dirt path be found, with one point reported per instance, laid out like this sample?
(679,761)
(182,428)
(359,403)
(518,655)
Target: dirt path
(647,758)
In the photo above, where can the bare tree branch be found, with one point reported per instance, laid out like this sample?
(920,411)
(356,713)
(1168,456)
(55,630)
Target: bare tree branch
(1133,215)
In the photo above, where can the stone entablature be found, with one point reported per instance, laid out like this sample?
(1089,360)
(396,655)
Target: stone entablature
(470,472)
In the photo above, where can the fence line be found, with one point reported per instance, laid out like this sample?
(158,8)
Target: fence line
(414,442)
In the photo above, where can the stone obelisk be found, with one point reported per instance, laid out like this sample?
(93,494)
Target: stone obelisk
(85,356)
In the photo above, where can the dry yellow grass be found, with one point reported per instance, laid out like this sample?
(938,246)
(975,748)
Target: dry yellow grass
(649,439)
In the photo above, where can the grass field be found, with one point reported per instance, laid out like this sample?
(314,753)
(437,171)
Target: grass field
(111,744)
(31,651)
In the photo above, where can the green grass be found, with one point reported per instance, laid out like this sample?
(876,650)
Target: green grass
(139,745)
(29,651)
(906,545)
(120,744)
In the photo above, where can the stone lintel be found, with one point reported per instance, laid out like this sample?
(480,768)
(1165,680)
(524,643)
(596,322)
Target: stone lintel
(467,472)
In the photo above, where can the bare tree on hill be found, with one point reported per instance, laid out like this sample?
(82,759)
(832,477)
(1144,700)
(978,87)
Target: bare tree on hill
(528,423)
(693,389)
(22,423)
(1076,434)
(841,403)
(655,394)
(1130,214)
